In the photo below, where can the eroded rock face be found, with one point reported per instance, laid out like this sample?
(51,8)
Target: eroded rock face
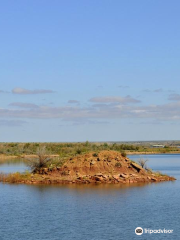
(137,166)
(124,175)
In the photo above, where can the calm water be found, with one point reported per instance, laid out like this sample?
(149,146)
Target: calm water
(103,212)
(14,165)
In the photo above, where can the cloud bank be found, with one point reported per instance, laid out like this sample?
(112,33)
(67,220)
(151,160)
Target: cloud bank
(98,109)
(169,111)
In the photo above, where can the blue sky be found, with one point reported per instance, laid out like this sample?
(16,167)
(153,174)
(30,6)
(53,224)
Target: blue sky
(89,70)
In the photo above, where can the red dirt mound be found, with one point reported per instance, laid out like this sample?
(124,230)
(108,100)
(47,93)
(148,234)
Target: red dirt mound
(105,166)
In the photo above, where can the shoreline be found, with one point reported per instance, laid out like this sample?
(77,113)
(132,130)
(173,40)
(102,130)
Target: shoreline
(151,153)
(121,179)
(8,157)
(97,168)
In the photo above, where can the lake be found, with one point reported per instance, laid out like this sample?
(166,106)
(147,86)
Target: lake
(92,212)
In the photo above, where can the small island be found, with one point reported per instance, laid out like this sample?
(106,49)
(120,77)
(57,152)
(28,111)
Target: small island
(105,166)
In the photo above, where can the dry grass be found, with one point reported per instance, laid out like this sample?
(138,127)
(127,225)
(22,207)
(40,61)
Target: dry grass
(15,177)
(159,174)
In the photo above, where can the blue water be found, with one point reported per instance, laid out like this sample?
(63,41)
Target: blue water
(87,212)
(13,166)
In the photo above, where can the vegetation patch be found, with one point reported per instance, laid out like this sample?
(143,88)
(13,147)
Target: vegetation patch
(118,164)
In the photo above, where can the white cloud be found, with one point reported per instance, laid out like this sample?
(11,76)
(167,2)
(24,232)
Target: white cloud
(110,110)
(23,105)
(73,101)
(112,99)
(153,91)
(167,111)
(26,91)
(158,90)
(174,97)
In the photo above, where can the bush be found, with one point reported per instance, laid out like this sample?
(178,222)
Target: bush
(78,151)
(118,164)
(40,162)
(149,170)
(13,177)
(142,163)
(95,154)
(123,154)
(158,174)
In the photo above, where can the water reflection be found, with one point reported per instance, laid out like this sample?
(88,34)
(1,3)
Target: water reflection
(92,212)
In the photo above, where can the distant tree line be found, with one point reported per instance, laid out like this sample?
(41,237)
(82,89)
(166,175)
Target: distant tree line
(71,149)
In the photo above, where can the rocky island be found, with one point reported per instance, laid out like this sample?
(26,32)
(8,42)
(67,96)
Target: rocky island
(101,167)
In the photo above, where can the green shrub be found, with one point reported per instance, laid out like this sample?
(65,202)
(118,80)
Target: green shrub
(95,154)
(123,154)
(118,164)
(78,151)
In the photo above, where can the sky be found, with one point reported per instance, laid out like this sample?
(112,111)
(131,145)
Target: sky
(98,70)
